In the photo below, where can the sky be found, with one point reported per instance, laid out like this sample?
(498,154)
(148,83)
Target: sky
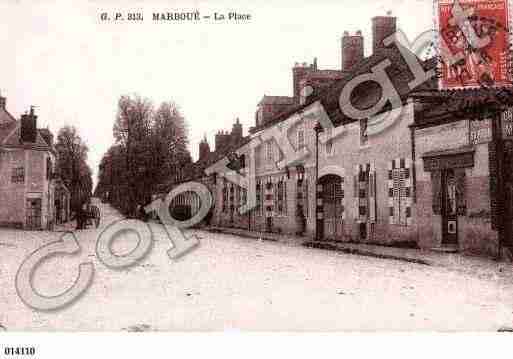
(60,57)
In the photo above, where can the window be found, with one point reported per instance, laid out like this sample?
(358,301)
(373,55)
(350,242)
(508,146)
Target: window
(244,199)
(306,206)
(259,116)
(18,175)
(302,196)
(259,199)
(300,138)
(280,198)
(269,151)
(329,147)
(232,197)
(48,168)
(364,137)
(225,197)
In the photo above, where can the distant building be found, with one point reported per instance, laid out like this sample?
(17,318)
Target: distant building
(31,196)
(225,144)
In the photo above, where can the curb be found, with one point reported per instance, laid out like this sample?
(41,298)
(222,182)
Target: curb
(354,251)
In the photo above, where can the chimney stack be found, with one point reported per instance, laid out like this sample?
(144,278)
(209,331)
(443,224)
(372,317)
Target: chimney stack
(3,102)
(382,27)
(299,72)
(204,148)
(236,131)
(29,127)
(352,49)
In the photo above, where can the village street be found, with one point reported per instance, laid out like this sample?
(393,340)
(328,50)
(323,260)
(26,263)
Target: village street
(231,283)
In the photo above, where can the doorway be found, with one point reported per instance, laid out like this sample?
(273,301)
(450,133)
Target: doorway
(332,227)
(449,208)
(33,213)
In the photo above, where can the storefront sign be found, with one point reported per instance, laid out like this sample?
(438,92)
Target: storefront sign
(507,124)
(473,61)
(480,131)
(438,163)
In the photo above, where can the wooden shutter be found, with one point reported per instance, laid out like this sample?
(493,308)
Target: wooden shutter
(372,196)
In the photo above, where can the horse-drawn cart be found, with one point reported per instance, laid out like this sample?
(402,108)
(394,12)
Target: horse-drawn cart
(92,216)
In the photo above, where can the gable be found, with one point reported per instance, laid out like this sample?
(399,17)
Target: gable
(6,130)
(6,117)
(12,139)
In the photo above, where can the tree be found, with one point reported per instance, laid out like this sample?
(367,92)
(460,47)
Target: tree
(72,165)
(170,136)
(132,130)
(150,147)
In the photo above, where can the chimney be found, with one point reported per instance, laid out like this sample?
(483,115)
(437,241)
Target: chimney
(3,102)
(299,72)
(204,148)
(222,140)
(236,131)
(382,27)
(352,49)
(29,127)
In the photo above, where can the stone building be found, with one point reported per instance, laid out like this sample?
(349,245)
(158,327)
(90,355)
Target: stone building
(225,144)
(432,179)
(28,185)
(429,169)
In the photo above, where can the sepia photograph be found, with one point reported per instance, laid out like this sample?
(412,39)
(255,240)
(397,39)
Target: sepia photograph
(334,166)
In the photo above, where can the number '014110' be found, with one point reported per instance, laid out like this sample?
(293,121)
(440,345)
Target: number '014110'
(19,350)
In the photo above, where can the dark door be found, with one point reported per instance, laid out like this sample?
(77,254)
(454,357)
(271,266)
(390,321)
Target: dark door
(449,208)
(33,212)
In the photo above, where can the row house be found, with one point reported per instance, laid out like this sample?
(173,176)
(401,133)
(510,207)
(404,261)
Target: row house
(225,142)
(432,169)
(31,196)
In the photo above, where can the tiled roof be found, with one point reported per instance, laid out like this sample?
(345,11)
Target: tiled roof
(196,170)
(5,116)
(6,129)
(276,100)
(14,140)
(398,71)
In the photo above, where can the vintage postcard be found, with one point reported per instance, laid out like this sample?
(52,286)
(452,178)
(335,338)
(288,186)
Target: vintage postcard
(294,166)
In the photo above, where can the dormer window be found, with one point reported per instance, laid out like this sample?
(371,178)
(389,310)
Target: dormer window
(259,116)
(329,147)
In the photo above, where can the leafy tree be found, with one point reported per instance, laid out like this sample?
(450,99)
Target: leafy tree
(170,135)
(152,144)
(72,165)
